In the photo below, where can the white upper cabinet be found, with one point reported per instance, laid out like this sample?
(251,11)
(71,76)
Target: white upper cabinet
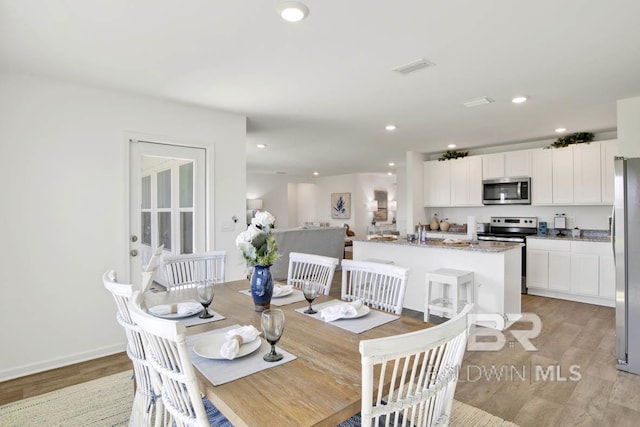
(541,177)
(517,163)
(437,183)
(562,167)
(493,166)
(608,151)
(587,182)
(466,181)
(506,165)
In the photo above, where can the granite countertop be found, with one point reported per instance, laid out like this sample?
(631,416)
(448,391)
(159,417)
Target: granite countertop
(490,247)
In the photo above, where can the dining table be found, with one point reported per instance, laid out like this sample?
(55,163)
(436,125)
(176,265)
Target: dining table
(320,386)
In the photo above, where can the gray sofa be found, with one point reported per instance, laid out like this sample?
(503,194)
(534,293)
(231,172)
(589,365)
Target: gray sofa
(327,241)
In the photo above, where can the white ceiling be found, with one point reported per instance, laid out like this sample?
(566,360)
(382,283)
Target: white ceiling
(319,92)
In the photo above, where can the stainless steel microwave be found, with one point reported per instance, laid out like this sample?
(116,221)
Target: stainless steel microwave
(507,191)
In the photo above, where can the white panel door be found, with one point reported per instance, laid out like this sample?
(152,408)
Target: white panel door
(608,151)
(517,163)
(493,166)
(167,201)
(585,274)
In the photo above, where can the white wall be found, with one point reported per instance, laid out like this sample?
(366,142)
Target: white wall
(64,162)
(274,192)
(629,127)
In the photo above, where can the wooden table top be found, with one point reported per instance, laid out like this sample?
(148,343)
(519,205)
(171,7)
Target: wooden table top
(322,387)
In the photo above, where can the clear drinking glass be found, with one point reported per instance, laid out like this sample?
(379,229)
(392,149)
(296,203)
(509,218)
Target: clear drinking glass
(272,322)
(205,296)
(310,291)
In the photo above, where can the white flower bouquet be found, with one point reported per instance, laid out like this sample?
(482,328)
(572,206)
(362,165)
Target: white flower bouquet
(257,244)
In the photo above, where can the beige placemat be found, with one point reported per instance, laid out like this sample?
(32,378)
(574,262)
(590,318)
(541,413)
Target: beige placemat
(195,320)
(221,371)
(361,324)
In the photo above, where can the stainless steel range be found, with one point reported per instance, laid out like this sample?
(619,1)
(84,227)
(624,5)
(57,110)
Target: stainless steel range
(512,229)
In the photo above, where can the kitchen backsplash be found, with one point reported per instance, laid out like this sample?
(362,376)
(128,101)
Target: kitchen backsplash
(583,217)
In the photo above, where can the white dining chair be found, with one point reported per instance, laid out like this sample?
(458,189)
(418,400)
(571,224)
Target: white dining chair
(149,270)
(309,267)
(378,285)
(410,379)
(183,271)
(165,345)
(146,410)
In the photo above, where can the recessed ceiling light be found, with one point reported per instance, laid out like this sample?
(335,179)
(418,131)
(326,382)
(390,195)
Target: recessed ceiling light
(391,164)
(261,145)
(293,11)
(316,173)
(391,127)
(519,99)
(451,146)
(389,173)
(560,130)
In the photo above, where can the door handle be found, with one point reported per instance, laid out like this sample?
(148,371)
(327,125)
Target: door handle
(133,252)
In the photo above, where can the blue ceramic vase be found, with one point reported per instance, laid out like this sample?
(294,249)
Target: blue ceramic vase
(261,287)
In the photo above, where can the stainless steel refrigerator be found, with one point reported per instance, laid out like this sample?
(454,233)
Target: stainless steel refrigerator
(626,248)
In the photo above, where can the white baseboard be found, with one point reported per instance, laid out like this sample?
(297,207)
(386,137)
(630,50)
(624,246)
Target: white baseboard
(571,297)
(21,371)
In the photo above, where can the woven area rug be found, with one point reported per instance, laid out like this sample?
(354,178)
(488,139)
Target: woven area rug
(103,402)
(107,402)
(464,415)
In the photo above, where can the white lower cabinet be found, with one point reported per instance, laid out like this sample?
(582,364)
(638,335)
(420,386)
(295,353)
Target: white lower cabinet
(574,270)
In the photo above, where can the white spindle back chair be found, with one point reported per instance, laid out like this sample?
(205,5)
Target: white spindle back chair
(314,268)
(183,271)
(410,379)
(378,285)
(146,410)
(165,345)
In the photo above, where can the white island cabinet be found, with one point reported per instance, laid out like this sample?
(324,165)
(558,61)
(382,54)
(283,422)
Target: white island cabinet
(496,267)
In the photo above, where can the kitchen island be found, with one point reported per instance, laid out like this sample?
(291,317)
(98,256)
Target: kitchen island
(496,267)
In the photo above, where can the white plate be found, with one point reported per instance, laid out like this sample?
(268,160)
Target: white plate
(210,346)
(193,309)
(362,311)
(283,294)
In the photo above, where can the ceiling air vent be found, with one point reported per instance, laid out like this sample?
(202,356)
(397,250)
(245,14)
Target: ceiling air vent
(412,66)
(478,101)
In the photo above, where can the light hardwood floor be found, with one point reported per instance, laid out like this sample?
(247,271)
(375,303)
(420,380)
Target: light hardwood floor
(572,334)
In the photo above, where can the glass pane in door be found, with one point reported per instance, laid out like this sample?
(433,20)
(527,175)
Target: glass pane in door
(186,185)
(164,189)
(146,192)
(186,232)
(164,229)
(146,228)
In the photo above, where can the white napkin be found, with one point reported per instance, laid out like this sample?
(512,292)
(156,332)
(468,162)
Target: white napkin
(281,289)
(338,311)
(182,308)
(235,338)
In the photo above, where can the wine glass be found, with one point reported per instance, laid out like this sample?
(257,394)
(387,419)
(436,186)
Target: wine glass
(272,322)
(205,296)
(310,291)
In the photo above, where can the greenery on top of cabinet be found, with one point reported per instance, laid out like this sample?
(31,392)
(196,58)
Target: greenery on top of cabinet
(453,154)
(574,138)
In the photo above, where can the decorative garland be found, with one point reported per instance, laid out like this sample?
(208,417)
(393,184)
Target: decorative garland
(574,138)
(453,154)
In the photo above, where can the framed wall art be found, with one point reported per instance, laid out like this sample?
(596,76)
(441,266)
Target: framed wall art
(341,205)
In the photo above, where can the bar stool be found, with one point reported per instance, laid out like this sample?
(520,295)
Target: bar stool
(456,290)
